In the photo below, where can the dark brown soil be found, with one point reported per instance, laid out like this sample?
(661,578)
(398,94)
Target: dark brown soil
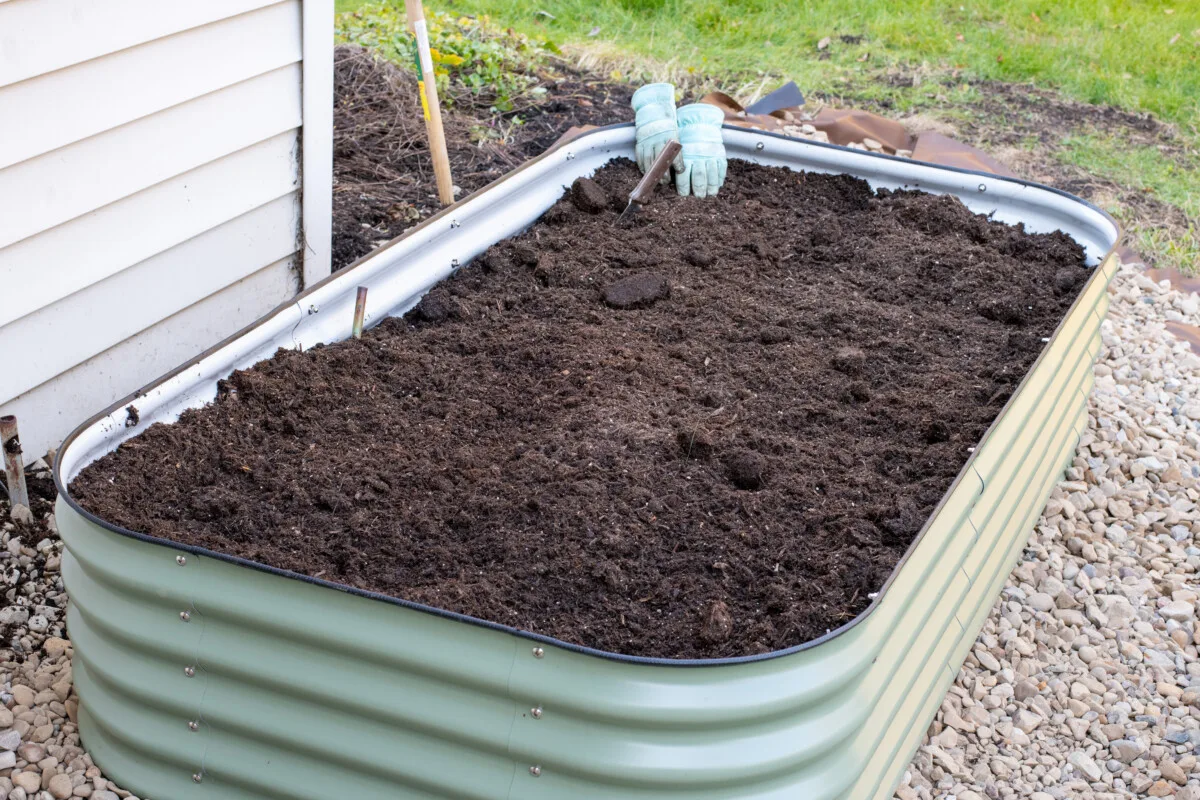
(383,174)
(728,464)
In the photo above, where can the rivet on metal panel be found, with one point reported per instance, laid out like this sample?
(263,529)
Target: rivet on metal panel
(536,711)
(538,652)
(454,262)
(983,187)
(189,671)
(454,223)
(760,146)
(185,616)
(197,777)
(312,308)
(535,770)
(193,725)
(570,156)
(181,560)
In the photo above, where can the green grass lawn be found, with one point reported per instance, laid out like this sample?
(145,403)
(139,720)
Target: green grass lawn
(918,55)
(1112,51)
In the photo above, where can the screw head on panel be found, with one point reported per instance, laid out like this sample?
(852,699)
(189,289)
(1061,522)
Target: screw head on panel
(570,156)
(535,770)
(760,146)
(983,187)
(538,652)
(181,560)
(185,616)
(189,671)
(193,725)
(454,223)
(197,777)
(536,711)
(454,262)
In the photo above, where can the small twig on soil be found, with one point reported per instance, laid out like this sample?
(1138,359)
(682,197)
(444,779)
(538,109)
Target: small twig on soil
(360,310)
(14,468)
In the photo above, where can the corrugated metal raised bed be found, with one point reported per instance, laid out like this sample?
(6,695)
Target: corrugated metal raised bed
(205,676)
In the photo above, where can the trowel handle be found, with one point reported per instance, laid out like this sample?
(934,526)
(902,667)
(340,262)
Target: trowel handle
(641,192)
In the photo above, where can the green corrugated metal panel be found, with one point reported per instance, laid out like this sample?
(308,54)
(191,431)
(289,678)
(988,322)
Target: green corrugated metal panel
(1037,432)
(278,688)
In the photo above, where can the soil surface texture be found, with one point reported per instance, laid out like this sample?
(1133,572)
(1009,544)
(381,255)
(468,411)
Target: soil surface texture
(383,173)
(712,432)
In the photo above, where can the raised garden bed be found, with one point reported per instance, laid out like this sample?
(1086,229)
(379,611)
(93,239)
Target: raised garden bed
(710,434)
(482,709)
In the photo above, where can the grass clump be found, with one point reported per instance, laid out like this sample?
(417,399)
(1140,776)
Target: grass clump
(1159,200)
(1141,168)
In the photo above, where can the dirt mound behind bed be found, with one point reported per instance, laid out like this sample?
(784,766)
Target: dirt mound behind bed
(383,173)
(713,433)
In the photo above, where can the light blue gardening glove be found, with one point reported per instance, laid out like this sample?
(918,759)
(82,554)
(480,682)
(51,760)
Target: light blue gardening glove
(654,110)
(703,153)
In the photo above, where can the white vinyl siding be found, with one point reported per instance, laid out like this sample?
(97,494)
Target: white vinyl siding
(41,36)
(162,185)
(170,71)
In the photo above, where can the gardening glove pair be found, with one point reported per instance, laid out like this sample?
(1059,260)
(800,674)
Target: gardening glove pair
(700,166)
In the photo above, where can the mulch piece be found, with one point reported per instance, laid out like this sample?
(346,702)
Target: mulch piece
(383,174)
(729,468)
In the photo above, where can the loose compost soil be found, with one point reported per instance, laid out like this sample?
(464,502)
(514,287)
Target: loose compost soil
(382,170)
(710,433)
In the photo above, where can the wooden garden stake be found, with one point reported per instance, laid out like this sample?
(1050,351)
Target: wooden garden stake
(430,106)
(14,469)
(360,311)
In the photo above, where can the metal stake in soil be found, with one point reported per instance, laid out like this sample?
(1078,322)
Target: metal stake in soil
(14,469)
(360,310)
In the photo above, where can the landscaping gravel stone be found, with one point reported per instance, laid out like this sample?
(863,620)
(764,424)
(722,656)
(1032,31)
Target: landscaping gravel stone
(41,757)
(1096,630)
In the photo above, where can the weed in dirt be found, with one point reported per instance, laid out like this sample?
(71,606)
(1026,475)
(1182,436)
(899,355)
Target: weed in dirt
(476,63)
